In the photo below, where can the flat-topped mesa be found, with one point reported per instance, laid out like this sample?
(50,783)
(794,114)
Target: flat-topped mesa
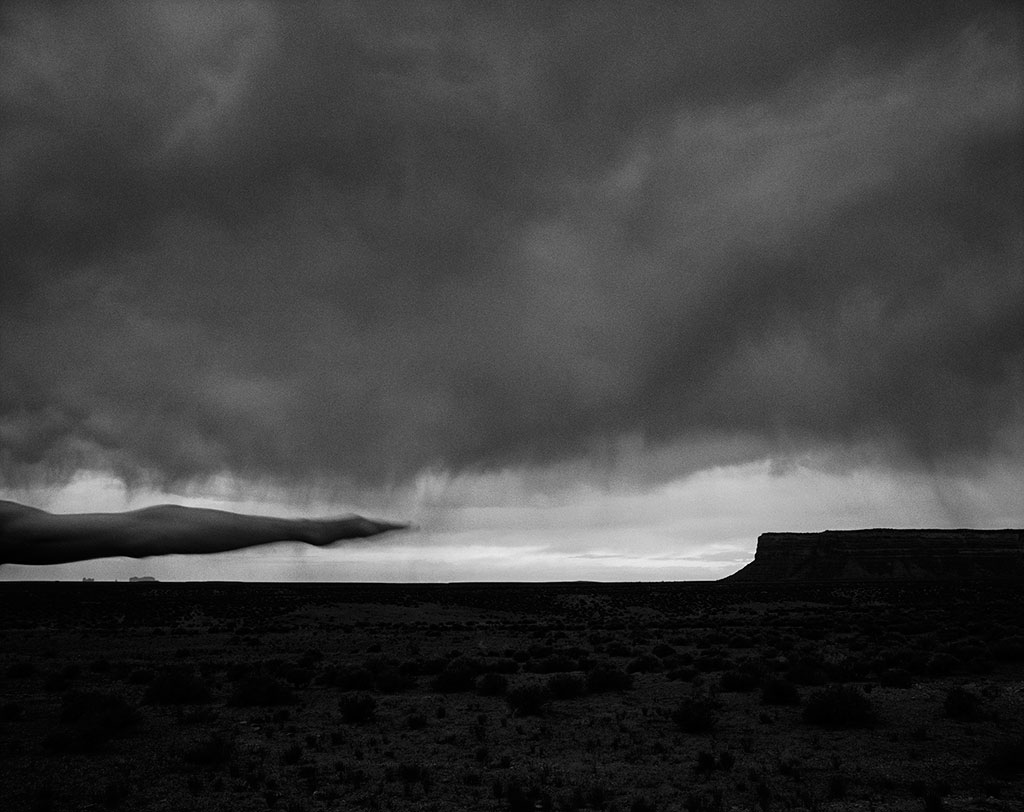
(873,555)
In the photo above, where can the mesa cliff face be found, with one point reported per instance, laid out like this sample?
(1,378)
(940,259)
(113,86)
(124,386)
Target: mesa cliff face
(872,555)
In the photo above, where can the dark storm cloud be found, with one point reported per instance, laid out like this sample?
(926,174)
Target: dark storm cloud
(351,241)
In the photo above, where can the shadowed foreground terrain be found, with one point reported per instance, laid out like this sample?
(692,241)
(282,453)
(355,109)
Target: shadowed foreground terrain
(629,697)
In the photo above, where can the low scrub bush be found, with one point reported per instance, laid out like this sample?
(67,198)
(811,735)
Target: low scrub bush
(492,684)
(1006,758)
(351,678)
(21,670)
(176,686)
(552,664)
(896,678)
(698,713)
(738,681)
(528,700)
(778,691)
(458,675)
(566,686)
(840,707)
(357,708)
(941,665)
(89,719)
(708,663)
(808,672)
(503,665)
(961,703)
(209,751)
(608,678)
(1009,650)
(645,664)
(261,690)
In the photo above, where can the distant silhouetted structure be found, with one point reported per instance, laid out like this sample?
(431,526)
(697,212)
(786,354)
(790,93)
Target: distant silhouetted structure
(885,554)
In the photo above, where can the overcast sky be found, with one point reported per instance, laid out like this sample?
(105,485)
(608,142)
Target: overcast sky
(595,290)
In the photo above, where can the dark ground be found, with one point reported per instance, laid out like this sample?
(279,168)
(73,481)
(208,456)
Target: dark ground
(630,697)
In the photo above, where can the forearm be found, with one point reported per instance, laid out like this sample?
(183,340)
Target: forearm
(29,536)
(43,538)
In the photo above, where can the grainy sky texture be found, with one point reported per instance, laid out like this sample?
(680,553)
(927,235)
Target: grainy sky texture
(356,247)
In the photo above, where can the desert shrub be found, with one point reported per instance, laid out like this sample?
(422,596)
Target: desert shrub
(838,707)
(552,664)
(584,797)
(141,676)
(209,751)
(389,677)
(528,700)
(458,675)
(756,667)
(21,669)
(427,667)
(196,715)
(237,671)
(698,713)
(88,720)
(707,663)
(617,648)
(60,680)
(896,678)
(492,684)
(503,665)
(296,675)
(350,678)
(292,754)
(523,798)
(961,703)
(11,712)
(808,672)
(1010,649)
(416,721)
(357,708)
(1006,758)
(738,681)
(109,711)
(566,686)
(176,686)
(261,690)
(941,665)
(645,664)
(705,761)
(410,774)
(838,786)
(608,678)
(778,691)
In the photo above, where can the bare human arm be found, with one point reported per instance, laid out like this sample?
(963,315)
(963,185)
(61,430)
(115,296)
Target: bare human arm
(32,536)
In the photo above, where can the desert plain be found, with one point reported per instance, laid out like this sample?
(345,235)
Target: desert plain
(572,696)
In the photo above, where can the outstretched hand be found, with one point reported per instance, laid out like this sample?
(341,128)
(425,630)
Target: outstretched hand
(328,531)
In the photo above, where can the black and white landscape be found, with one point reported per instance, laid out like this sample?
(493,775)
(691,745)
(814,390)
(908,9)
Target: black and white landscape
(676,350)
